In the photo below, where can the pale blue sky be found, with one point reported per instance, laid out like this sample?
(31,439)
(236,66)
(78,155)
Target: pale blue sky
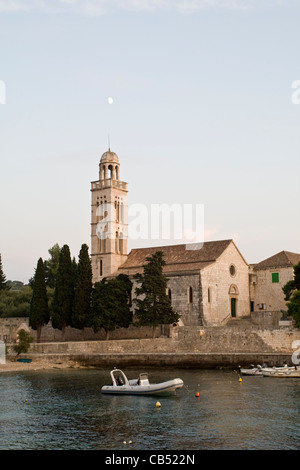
(202,113)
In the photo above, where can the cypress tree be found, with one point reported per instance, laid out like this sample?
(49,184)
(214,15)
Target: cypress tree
(3,283)
(83,290)
(39,311)
(62,305)
(153,305)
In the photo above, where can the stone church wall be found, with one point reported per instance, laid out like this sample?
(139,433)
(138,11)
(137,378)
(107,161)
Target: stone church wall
(186,296)
(217,279)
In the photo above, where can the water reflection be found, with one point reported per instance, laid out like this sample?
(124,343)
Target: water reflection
(65,410)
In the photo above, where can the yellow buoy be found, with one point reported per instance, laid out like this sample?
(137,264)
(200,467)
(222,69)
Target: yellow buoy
(124,442)
(158,405)
(240,379)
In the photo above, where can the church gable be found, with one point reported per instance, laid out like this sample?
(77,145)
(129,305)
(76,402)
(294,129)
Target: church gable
(225,287)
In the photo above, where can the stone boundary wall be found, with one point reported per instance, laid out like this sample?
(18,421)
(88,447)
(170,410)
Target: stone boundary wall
(212,340)
(181,360)
(198,347)
(9,328)
(235,340)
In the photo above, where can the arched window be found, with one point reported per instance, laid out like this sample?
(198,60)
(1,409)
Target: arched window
(101,267)
(122,212)
(121,244)
(170,294)
(208,295)
(190,295)
(117,243)
(117,211)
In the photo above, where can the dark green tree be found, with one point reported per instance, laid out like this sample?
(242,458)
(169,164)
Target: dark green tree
(51,265)
(23,344)
(111,304)
(39,312)
(294,284)
(294,308)
(15,303)
(153,305)
(292,295)
(83,289)
(63,298)
(3,282)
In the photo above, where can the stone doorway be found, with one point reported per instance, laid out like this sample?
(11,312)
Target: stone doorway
(233,306)
(233,296)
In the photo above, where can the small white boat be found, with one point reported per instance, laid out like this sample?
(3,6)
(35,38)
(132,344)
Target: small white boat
(141,386)
(286,371)
(253,370)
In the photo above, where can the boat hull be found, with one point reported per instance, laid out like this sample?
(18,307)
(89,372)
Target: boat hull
(288,373)
(164,388)
(254,371)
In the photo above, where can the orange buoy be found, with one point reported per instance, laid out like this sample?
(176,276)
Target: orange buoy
(197,394)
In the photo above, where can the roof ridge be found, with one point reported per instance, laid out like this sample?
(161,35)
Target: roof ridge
(182,244)
(282,258)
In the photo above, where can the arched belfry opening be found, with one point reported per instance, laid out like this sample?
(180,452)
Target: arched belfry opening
(109,167)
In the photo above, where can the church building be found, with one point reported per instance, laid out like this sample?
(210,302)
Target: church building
(208,283)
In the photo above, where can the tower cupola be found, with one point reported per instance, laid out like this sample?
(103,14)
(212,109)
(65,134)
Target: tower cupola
(109,166)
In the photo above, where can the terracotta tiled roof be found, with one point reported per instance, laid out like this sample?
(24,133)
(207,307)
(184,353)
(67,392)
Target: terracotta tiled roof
(280,260)
(188,257)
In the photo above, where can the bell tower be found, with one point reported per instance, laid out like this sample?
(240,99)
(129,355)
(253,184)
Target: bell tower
(109,224)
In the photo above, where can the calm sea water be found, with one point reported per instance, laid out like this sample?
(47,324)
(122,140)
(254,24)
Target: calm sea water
(64,409)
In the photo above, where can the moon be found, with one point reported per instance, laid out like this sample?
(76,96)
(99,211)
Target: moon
(110,100)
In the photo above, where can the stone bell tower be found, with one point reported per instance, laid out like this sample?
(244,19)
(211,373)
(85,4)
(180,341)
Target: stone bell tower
(109,224)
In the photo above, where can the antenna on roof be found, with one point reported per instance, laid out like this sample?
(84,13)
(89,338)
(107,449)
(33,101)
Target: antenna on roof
(108,142)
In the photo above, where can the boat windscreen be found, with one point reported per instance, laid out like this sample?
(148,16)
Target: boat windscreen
(143,376)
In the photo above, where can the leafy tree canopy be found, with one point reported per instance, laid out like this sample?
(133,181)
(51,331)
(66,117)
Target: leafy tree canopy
(292,295)
(153,305)
(294,307)
(51,265)
(111,304)
(294,284)
(23,344)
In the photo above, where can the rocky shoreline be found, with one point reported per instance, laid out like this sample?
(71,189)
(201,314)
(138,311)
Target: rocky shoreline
(41,364)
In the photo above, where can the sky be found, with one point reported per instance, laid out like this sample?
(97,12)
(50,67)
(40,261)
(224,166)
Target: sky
(205,111)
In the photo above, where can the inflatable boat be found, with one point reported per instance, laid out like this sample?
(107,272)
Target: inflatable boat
(141,386)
